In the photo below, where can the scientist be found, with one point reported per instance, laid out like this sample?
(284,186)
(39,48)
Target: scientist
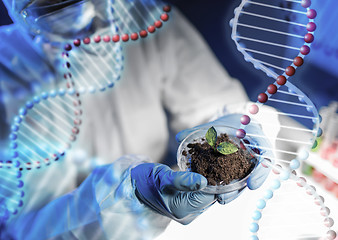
(112,185)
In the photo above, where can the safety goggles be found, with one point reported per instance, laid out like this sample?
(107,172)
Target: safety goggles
(57,15)
(40,8)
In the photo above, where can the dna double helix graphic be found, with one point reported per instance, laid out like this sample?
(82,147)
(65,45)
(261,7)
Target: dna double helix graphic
(264,33)
(41,133)
(130,21)
(47,125)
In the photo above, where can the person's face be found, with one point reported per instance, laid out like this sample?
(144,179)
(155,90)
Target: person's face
(60,20)
(63,19)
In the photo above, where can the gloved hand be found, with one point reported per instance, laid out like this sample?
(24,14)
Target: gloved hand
(260,174)
(170,193)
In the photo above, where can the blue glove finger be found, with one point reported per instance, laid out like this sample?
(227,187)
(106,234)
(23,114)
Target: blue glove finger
(258,176)
(186,206)
(189,181)
(170,193)
(225,198)
(181,181)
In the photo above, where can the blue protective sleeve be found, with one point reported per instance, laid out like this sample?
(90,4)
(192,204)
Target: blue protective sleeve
(103,207)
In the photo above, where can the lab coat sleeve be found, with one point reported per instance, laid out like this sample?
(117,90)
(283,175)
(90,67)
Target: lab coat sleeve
(196,85)
(104,206)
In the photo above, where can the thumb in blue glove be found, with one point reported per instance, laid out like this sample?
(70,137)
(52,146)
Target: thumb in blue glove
(173,194)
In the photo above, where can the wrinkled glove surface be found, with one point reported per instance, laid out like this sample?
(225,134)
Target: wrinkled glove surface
(173,194)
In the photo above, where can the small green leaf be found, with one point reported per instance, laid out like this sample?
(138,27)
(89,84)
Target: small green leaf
(226,148)
(211,136)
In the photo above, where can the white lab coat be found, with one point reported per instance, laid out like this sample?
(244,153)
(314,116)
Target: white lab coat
(171,81)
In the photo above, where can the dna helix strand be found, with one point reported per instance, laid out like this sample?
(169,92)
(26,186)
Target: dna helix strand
(136,19)
(45,128)
(129,20)
(48,124)
(263,32)
(41,133)
(106,66)
(11,191)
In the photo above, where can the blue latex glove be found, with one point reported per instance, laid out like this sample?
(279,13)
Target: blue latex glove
(260,174)
(170,193)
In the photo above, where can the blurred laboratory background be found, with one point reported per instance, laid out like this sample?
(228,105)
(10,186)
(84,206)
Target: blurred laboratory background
(318,78)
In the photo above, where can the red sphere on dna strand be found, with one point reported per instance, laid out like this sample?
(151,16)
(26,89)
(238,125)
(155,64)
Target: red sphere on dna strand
(131,21)
(263,32)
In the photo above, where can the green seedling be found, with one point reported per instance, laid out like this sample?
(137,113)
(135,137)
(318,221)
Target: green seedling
(224,148)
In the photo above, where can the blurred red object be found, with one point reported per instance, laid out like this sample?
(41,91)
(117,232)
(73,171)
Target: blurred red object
(329,184)
(318,176)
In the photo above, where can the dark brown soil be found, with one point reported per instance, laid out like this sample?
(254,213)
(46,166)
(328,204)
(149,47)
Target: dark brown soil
(216,167)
